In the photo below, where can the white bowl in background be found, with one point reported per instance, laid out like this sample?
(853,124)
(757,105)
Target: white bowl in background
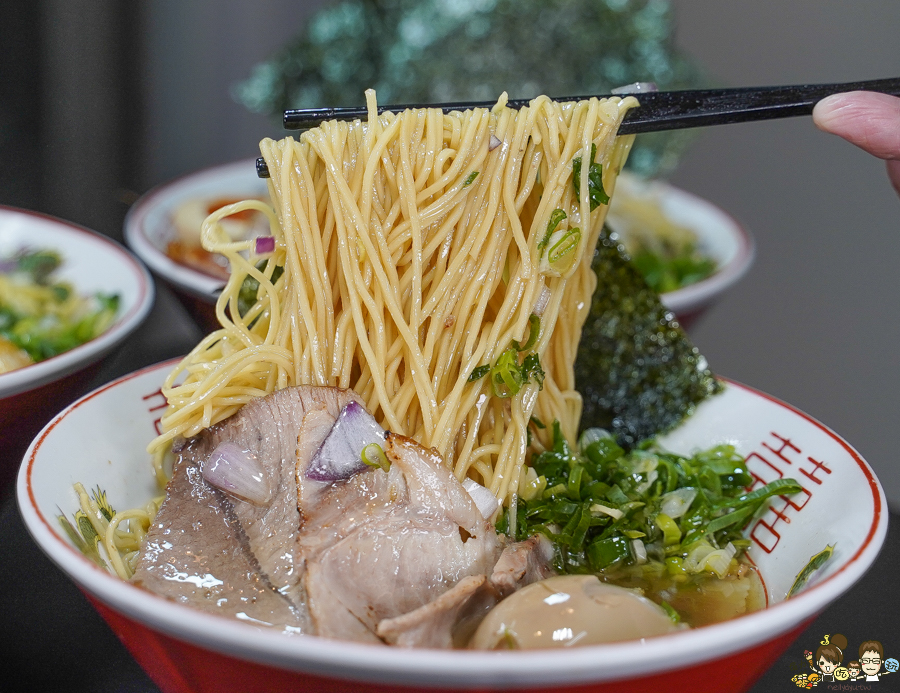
(719,237)
(93,263)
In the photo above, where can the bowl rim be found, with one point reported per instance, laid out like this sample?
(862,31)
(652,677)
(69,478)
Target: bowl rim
(361,662)
(48,370)
(686,299)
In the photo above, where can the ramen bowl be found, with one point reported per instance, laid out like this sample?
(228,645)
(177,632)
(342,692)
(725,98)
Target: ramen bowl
(101,440)
(92,263)
(149,229)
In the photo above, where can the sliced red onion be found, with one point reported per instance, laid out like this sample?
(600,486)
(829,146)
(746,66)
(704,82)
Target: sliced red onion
(542,302)
(485,500)
(495,142)
(265,244)
(237,473)
(635,88)
(339,455)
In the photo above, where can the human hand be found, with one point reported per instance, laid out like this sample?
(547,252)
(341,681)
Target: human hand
(869,120)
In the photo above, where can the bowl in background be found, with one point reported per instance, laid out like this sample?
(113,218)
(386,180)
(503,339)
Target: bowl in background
(149,229)
(718,237)
(91,262)
(101,440)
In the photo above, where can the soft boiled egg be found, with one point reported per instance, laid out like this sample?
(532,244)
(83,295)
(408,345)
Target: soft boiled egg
(570,610)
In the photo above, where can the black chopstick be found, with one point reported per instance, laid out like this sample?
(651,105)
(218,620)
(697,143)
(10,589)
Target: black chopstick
(661,110)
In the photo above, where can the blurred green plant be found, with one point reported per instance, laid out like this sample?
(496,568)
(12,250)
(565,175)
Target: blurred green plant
(429,51)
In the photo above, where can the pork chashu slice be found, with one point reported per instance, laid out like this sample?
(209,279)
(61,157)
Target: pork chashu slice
(380,545)
(232,557)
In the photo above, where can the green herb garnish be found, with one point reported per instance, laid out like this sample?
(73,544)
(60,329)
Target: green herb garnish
(44,317)
(249,291)
(478,373)
(811,567)
(374,456)
(556,217)
(470,179)
(81,532)
(596,194)
(506,375)
(687,513)
(664,273)
(561,255)
(534,324)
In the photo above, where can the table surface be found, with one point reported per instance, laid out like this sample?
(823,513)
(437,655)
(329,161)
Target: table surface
(51,639)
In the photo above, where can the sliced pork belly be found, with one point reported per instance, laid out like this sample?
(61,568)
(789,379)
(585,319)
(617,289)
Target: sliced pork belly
(197,554)
(380,545)
(521,564)
(402,556)
(201,537)
(433,625)
(452,618)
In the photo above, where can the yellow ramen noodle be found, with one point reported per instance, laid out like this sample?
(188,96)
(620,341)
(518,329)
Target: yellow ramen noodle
(415,251)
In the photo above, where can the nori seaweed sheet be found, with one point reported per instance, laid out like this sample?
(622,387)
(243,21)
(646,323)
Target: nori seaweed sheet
(637,371)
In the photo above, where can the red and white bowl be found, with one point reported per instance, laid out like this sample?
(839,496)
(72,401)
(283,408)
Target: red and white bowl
(30,396)
(149,229)
(101,439)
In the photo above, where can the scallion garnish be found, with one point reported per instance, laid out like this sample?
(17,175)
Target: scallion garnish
(478,373)
(373,455)
(596,194)
(598,500)
(556,217)
(534,323)
(561,255)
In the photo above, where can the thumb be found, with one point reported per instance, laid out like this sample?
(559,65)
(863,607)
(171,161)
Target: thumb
(869,120)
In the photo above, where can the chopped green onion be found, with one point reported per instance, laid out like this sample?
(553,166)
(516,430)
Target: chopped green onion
(598,508)
(506,376)
(596,194)
(534,486)
(534,323)
(671,533)
(606,552)
(470,179)
(596,499)
(675,565)
(478,372)
(811,567)
(373,455)
(531,370)
(673,615)
(732,518)
(560,255)
(556,217)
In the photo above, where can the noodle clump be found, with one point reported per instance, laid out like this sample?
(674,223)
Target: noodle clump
(424,260)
